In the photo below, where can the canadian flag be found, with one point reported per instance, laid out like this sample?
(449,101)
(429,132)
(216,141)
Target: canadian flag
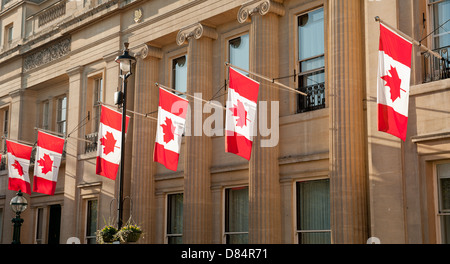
(172,112)
(48,159)
(109,142)
(394,71)
(18,164)
(240,114)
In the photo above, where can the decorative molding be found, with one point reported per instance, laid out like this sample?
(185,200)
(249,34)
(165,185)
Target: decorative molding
(261,7)
(47,55)
(196,31)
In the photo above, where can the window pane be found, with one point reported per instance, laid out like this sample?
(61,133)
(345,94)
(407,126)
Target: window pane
(39,223)
(444,187)
(445,227)
(313,211)
(441,12)
(91,227)
(179,68)
(239,52)
(175,217)
(310,34)
(236,219)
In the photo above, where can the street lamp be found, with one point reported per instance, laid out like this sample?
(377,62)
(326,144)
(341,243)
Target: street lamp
(18,205)
(125,61)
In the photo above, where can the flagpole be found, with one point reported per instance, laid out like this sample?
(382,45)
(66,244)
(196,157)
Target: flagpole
(194,97)
(133,112)
(415,42)
(267,79)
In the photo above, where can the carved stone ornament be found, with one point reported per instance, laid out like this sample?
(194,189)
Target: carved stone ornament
(46,55)
(138,15)
(195,31)
(149,51)
(261,7)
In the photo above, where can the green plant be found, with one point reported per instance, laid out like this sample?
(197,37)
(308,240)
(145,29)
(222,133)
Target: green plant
(106,235)
(129,233)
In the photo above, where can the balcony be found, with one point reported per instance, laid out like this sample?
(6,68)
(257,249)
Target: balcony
(91,142)
(436,69)
(314,100)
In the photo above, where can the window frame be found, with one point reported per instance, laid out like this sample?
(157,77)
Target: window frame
(301,100)
(225,213)
(168,218)
(88,237)
(173,73)
(297,229)
(59,110)
(440,212)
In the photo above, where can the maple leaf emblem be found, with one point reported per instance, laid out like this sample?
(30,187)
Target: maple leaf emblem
(46,163)
(239,111)
(109,143)
(394,83)
(168,130)
(16,165)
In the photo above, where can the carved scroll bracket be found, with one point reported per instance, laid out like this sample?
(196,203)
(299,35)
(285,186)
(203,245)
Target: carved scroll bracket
(261,7)
(196,31)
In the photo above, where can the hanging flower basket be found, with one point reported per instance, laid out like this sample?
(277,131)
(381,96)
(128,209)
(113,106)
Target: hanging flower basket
(106,235)
(129,233)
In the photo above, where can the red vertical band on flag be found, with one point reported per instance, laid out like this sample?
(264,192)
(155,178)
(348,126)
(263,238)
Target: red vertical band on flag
(50,142)
(19,150)
(112,118)
(395,46)
(166,157)
(243,85)
(173,103)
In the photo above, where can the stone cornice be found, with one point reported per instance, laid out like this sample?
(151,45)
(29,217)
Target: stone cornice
(261,7)
(196,31)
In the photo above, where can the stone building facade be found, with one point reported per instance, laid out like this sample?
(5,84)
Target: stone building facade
(332,177)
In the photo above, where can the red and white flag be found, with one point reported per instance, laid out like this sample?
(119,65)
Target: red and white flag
(394,71)
(172,112)
(240,122)
(18,164)
(109,142)
(48,159)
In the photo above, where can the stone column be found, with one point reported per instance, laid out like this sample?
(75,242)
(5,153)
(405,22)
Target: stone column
(70,213)
(264,181)
(143,169)
(197,204)
(348,179)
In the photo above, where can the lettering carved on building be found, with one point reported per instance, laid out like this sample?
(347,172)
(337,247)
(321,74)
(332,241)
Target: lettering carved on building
(47,55)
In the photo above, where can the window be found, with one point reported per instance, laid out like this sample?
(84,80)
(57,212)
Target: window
(440,14)
(236,215)
(311,60)
(62,115)
(9,30)
(1,224)
(4,115)
(238,50)
(91,221)
(179,74)
(45,115)
(39,226)
(98,99)
(443,174)
(175,218)
(313,212)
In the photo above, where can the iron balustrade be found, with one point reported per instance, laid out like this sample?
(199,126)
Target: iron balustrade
(435,69)
(314,100)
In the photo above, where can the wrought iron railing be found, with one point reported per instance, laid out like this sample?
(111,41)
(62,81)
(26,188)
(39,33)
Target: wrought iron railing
(91,142)
(434,68)
(314,100)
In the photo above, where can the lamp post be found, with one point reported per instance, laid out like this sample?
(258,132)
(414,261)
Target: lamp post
(125,62)
(18,205)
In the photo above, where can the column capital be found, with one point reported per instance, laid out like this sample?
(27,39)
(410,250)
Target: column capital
(148,51)
(196,31)
(261,7)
